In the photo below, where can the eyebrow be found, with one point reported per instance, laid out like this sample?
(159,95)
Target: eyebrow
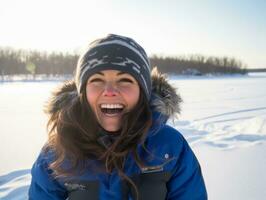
(99,73)
(119,73)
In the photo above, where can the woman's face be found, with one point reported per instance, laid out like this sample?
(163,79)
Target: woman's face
(111,93)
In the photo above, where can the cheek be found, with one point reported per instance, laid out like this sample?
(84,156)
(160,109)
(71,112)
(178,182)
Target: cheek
(91,95)
(131,95)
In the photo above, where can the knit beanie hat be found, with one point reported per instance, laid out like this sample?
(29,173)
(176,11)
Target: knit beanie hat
(114,52)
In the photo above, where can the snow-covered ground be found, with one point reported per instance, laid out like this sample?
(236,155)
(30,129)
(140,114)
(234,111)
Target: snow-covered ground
(223,118)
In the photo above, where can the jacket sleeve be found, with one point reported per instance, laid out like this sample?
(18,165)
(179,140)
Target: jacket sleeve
(187,180)
(43,186)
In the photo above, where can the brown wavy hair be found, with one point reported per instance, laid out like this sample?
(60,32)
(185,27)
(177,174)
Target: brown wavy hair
(73,131)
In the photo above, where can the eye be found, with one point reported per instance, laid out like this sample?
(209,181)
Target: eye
(96,80)
(126,80)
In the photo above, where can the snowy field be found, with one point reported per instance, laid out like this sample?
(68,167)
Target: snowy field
(223,118)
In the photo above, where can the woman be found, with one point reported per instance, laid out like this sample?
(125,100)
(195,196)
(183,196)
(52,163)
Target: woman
(108,137)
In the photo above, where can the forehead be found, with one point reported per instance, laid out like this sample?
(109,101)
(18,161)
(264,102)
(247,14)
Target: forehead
(111,73)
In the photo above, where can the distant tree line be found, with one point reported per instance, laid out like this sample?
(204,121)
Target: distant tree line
(257,70)
(36,62)
(56,63)
(198,64)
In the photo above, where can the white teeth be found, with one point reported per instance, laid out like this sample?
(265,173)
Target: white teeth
(111,106)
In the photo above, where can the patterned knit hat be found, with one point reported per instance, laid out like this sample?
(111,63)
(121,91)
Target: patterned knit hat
(115,52)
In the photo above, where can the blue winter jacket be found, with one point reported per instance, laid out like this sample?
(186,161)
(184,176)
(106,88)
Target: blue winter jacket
(173,172)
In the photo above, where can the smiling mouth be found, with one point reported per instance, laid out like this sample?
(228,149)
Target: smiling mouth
(111,109)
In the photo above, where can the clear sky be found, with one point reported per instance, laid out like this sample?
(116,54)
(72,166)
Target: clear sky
(234,28)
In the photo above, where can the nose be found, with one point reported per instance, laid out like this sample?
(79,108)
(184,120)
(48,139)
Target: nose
(110,90)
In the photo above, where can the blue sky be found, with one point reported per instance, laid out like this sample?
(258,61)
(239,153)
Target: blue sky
(213,28)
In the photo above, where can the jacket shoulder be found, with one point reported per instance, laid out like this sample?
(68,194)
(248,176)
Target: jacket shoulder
(170,146)
(168,138)
(43,183)
(186,181)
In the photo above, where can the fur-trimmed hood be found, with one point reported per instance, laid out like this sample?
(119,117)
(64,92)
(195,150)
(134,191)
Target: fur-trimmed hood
(164,100)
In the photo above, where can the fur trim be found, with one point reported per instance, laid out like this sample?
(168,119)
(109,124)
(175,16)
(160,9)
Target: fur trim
(64,95)
(164,100)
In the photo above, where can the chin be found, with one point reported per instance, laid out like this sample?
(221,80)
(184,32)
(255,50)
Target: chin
(111,129)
